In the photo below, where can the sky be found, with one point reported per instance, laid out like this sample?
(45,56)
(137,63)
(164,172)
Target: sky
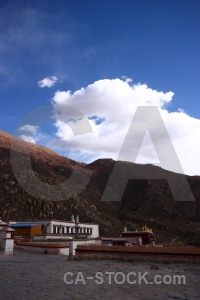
(74,72)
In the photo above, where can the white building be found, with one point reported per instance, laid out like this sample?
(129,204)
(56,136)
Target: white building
(66,228)
(6,238)
(73,232)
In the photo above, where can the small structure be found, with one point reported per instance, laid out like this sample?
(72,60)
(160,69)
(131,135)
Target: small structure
(130,238)
(3,224)
(6,238)
(120,241)
(144,237)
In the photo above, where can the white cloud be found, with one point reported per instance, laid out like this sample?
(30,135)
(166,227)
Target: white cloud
(31,134)
(28,138)
(114,103)
(29,128)
(48,82)
(125,78)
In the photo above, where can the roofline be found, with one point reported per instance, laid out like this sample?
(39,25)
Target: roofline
(7,229)
(50,220)
(24,225)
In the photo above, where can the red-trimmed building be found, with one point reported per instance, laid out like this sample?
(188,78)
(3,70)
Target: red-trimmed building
(147,237)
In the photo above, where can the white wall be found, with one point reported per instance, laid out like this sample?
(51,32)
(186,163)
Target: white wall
(9,247)
(50,223)
(74,243)
(95,227)
(61,251)
(50,237)
(6,245)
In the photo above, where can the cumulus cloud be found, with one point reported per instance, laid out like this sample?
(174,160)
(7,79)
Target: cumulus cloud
(48,82)
(28,138)
(109,106)
(30,132)
(29,128)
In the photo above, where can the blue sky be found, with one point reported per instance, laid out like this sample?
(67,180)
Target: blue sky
(81,42)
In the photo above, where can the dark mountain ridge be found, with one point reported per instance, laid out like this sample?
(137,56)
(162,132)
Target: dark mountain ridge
(144,201)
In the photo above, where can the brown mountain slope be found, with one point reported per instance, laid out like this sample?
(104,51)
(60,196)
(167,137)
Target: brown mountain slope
(144,201)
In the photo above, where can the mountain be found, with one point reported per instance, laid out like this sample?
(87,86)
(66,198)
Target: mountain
(33,184)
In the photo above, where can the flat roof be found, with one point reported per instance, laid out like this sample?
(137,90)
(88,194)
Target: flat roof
(50,220)
(23,225)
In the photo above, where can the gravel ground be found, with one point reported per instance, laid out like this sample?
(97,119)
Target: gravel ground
(38,277)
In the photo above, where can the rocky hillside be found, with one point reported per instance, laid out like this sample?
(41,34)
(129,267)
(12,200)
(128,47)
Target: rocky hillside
(32,185)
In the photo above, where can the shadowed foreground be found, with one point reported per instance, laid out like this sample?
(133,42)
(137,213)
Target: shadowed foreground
(37,276)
